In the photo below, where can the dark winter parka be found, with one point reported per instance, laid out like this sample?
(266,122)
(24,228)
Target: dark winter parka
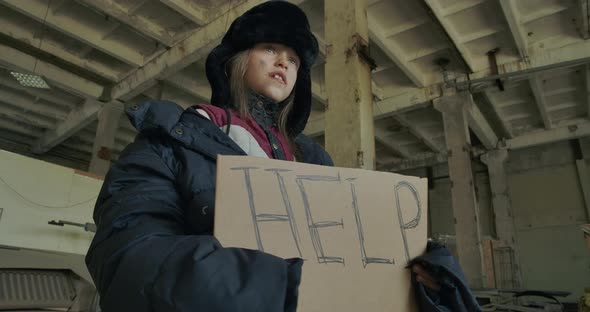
(154,249)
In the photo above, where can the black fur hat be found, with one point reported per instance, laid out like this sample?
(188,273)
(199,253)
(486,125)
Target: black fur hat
(275,22)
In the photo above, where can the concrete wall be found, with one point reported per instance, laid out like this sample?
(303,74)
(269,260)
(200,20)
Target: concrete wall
(32,193)
(441,221)
(548,206)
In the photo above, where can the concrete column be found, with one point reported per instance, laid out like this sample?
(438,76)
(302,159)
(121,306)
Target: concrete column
(503,216)
(108,123)
(454,111)
(583,172)
(349,135)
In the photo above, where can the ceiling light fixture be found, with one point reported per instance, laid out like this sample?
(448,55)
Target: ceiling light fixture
(28,80)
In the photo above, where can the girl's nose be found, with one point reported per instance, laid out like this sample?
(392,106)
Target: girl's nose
(283,61)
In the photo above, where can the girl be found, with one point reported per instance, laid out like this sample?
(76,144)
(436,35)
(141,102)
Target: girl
(154,249)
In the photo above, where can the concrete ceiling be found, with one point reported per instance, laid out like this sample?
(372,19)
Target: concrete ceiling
(91,51)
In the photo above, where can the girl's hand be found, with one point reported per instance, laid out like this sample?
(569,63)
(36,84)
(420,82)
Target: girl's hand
(423,277)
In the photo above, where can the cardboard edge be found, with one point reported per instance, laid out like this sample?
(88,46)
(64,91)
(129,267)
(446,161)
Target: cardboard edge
(220,162)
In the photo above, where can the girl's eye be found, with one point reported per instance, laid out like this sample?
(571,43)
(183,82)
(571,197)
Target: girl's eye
(294,62)
(270,50)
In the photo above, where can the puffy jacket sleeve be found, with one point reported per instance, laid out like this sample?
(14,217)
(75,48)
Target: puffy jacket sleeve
(141,259)
(454,295)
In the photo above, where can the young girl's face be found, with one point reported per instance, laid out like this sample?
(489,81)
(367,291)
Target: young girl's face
(272,70)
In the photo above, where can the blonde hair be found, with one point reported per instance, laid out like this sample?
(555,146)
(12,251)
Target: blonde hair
(236,68)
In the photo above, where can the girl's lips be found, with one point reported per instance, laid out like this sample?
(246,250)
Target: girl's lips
(282,76)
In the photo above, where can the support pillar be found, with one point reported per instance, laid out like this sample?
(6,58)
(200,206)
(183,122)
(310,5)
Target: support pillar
(108,123)
(454,110)
(583,175)
(503,215)
(349,135)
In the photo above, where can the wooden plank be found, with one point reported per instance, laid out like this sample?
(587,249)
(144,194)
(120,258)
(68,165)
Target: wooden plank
(488,259)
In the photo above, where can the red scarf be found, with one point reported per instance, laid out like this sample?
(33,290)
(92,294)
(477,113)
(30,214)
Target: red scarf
(219,118)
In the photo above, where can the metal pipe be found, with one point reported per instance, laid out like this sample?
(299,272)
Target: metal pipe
(467,84)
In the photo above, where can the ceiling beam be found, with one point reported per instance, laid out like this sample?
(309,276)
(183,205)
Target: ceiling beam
(520,116)
(577,131)
(405,26)
(546,11)
(480,126)
(489,100)
(441,16)
(165,91)
(395,53)
(71,26)
(486,32)
(549,136)
(383,138)
(31,105)
(198,14)
(514,22)
(461,6)
(412,99)
(138,4)
(77,119)
(586,86)
(11,111)
(568,56)
(583,18)
(414,129)
(80,148)
(19,127)
(192,11)
(427,51)
(43,94)
(536,85)
(140,24)
(188,84)
(183,53)
(19,61)
(33,41)
(421,161)
(563,90)
(564,105)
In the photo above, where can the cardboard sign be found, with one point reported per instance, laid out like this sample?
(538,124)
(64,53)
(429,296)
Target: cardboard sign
(356,229)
